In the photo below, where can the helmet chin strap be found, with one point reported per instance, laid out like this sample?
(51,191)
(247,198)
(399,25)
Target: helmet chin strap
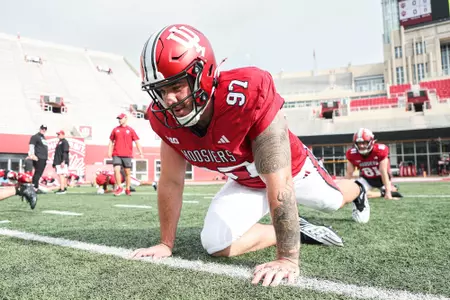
(189,119)
(190,115)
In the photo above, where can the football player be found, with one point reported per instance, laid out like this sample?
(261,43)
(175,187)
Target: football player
(231,122)
(105,178)
(372,160)
(73,180)
(22,187)
(47,180)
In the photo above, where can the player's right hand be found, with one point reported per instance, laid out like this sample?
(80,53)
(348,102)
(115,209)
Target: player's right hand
(156,252)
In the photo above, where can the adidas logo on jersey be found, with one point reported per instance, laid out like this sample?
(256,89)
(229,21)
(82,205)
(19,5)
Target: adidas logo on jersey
(223,140)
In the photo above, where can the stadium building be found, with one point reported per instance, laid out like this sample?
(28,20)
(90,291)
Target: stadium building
(404,99)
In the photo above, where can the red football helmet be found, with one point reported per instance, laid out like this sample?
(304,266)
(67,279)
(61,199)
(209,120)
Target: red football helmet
(172,54)
(363,141)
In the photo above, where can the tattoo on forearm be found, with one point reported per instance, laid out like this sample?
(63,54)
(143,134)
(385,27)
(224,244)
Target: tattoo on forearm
(271,148)
(285,222)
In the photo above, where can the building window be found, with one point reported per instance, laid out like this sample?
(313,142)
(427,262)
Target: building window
(420,72)
(400,75)
(372,83)
(398,52)
(141,169)
(189,172)
(445,57)
(420,48)
(157,169)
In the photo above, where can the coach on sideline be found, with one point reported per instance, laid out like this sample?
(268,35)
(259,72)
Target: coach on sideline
(38,152)
(121,150)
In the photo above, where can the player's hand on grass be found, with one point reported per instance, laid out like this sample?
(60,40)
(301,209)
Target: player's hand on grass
(274,272)
(158,251)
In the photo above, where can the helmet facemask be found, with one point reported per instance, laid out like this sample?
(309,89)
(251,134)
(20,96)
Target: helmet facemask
(366,150)
(166,114)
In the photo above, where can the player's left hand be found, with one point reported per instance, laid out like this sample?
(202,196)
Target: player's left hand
(388,196)
(273,272)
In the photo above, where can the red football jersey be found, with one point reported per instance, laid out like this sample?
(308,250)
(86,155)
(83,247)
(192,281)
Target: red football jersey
(101,178)
(123,138)
(368,165)
(24,178)
(47,179)
(245,104)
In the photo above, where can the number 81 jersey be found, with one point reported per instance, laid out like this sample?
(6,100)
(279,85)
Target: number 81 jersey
(369,165)
(245,103)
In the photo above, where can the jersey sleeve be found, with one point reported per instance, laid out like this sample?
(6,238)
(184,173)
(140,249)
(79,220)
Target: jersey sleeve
(348,155)
(112,136)
(33,140)
(268,103)
(134,135)
(382,151)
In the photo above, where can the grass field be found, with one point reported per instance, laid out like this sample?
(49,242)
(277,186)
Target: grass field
(405,246)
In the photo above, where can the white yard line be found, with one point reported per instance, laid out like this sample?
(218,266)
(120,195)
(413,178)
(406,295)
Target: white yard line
(144,193)
(190,201)
(60,212)
(427,196)
(319,285)
(133,206)
(5,221)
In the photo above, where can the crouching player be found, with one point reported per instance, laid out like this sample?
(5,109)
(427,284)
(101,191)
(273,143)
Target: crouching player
(372,160)
(73,180)
(22,187)
(104,179)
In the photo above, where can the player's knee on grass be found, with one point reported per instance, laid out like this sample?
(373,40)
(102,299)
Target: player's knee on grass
(216,235)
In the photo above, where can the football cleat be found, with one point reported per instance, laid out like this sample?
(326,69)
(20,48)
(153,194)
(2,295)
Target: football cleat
(318,235)
(27,191)
(361,207)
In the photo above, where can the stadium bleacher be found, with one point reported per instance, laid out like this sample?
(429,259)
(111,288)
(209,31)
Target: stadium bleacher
(34,70)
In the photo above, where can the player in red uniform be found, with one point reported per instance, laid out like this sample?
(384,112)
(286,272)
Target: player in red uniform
(372,160)
(22,186)
(47,180)
(231,123)
(105,178)
(73,179)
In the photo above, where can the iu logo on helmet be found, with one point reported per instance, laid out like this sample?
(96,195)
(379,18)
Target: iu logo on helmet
(187,38)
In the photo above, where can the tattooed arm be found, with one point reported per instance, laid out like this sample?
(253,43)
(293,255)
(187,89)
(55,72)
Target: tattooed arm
(272,154)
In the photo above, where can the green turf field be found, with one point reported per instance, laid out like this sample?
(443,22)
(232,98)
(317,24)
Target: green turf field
(404,247)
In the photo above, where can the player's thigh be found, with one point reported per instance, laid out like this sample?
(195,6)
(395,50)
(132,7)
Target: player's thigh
(126,162)
(232,212)
(116,161)
(62,170)
(315,188)
(368,185)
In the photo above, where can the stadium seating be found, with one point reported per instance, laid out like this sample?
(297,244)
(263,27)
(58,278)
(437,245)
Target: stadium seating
(399,89)
(442,88)
(379,102)
(33,69)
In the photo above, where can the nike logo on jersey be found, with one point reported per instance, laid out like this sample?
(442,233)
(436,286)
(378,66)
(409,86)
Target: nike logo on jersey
(223,140)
